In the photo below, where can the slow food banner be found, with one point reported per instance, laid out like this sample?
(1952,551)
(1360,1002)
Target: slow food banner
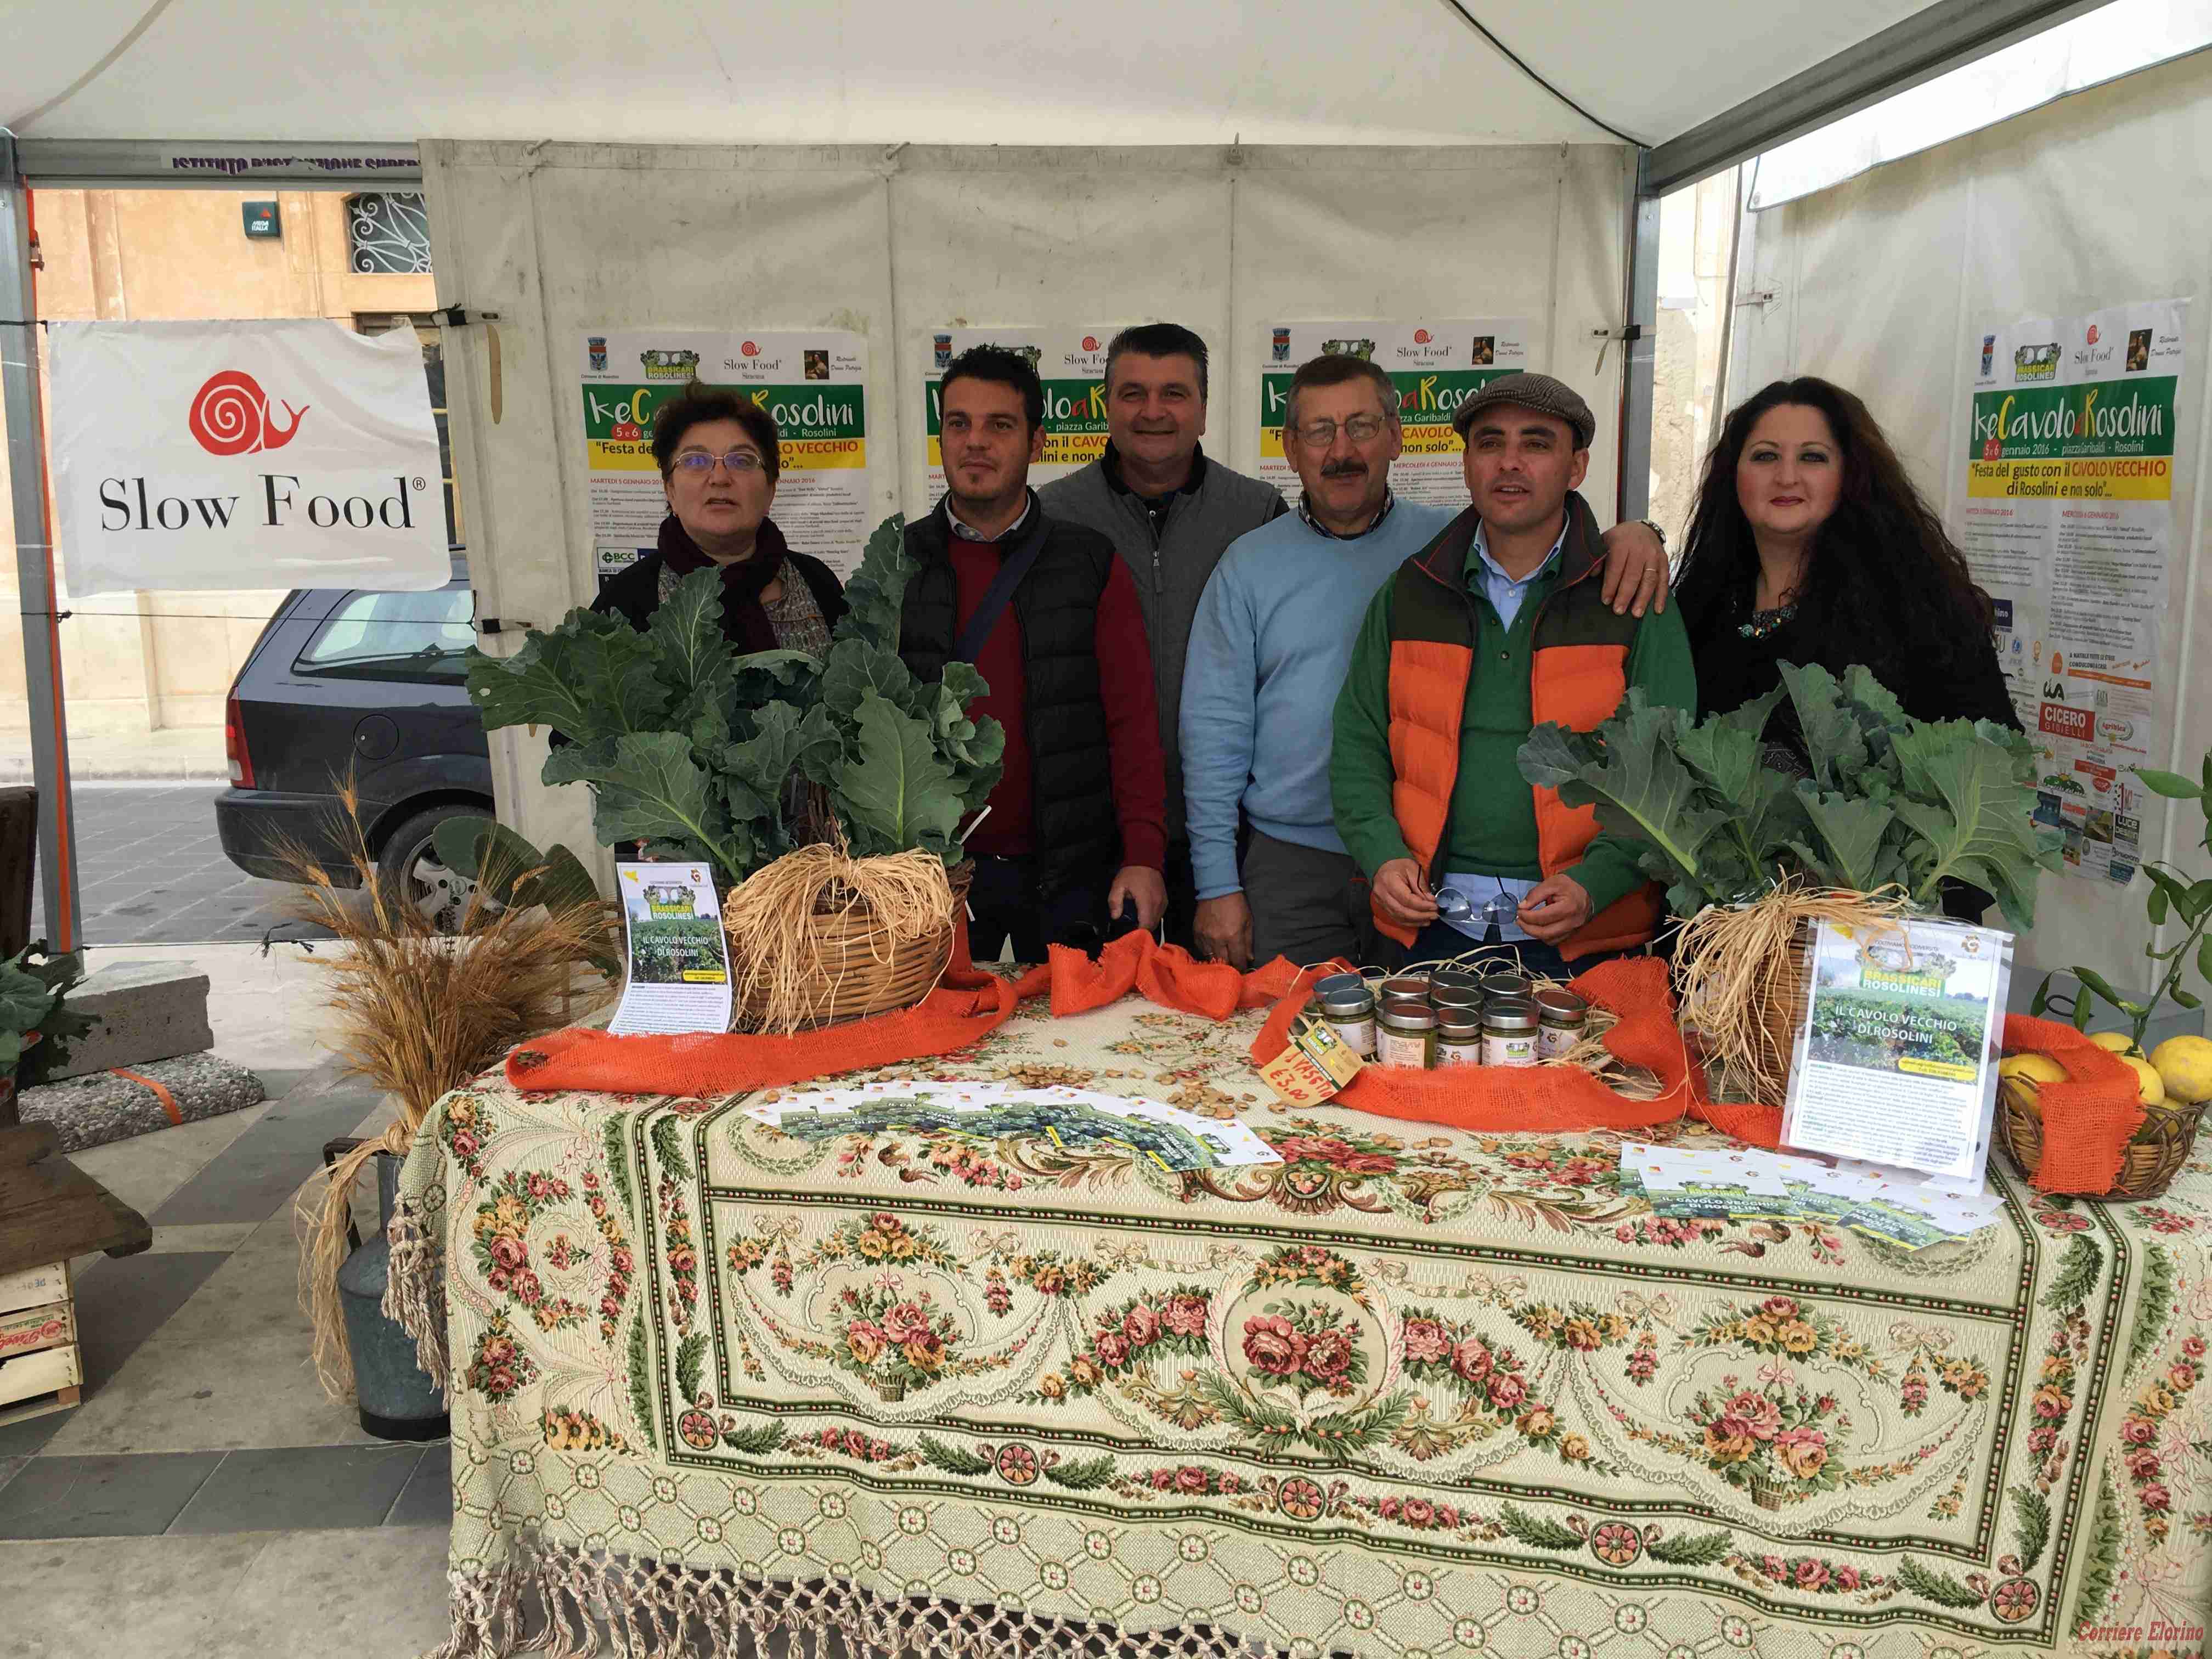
(219,455)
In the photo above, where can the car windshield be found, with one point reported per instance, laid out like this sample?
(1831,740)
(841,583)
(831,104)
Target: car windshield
(417,636)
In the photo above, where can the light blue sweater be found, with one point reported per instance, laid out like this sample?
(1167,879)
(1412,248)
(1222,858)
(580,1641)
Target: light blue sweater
(1267,656)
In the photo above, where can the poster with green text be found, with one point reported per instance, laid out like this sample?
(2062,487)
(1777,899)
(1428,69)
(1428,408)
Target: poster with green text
(814,381)
(1436,366)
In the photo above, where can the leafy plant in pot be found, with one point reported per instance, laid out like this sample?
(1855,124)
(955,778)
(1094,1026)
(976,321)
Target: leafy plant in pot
(2175,1080)
(1751,854)
(37,1026)
(827,793)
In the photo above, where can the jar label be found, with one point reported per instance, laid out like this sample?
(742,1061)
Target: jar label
(1555,1040)
(1402,1048)
(1459,1054)
(1519,1049)
(1358,1036)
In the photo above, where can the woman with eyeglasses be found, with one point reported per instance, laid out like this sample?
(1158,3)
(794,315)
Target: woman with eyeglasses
(718,457)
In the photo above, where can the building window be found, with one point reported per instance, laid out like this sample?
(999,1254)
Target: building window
(388,234)
(427,335)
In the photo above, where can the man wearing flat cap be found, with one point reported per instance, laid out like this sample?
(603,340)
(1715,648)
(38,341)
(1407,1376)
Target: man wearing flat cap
(1493,628)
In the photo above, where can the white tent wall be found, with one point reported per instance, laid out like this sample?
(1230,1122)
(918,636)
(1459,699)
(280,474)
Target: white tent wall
(2097,200)
(560,238)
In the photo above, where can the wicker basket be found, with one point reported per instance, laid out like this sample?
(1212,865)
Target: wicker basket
(2148,1166)
(858,972)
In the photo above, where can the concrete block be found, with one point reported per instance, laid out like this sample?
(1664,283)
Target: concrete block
(147,1011)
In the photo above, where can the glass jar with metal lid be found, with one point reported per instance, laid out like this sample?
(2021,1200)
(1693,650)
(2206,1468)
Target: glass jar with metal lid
(1508,1031)
(1561,1019)
(1405,987)
(1505,985)
(1406,1035)
(1459,1037)
(1350,1009)
(1444,981)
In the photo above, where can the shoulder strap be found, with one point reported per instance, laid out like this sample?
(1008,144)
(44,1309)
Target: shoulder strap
(1015,566)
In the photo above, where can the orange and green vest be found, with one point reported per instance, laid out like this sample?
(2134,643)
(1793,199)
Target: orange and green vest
(1578,675)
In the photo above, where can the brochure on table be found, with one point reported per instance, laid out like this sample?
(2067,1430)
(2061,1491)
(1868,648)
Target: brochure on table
(1896,1061)
(678,960)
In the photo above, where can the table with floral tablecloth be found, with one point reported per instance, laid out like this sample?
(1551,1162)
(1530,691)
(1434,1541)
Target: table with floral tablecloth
(1412,1391)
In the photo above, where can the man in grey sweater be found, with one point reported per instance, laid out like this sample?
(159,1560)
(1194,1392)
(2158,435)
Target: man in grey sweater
(1172,512)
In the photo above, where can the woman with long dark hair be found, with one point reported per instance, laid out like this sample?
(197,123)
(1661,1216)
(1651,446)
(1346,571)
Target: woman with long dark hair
(1809,545)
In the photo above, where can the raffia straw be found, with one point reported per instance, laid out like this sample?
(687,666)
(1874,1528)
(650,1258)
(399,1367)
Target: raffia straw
(419,1013)
(776,918)
(1734,966)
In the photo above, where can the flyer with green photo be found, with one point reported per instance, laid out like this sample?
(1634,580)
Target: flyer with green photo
(1896,1062)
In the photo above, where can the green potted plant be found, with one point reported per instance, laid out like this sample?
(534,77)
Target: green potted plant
(826,792)
(36,1024)
(1752,855)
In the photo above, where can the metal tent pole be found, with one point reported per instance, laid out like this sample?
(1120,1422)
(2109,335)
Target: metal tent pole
(34,555)
(1639,378)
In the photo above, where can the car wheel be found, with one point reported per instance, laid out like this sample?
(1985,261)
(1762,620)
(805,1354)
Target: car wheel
(410,868)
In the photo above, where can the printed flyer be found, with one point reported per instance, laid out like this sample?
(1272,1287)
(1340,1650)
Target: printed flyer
(1896,1063)
(679,960)
(2067,524)
(814,382)
(1071,363)
(1436,366)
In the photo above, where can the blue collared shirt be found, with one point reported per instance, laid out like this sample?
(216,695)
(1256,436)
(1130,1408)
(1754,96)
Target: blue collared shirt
(1506,593)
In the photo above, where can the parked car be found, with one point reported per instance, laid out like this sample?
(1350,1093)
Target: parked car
(352,682)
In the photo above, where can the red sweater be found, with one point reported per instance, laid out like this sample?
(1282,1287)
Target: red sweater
(1125,684)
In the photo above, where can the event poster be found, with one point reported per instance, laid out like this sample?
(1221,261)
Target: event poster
(1436,366)
(1071,363)
(1896,1062)
(2069,526)
(814,381)
(678,977)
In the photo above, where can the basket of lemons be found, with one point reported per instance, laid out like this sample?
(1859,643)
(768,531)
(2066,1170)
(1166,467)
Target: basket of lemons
(2173,1081)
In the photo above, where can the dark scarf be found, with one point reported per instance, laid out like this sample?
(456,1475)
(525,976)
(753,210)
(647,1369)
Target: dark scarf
(744,619)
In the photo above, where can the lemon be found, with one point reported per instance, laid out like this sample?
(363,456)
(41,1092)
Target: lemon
(2150,1088)
(2118,1043)
(2184,1063)
(2036,1068)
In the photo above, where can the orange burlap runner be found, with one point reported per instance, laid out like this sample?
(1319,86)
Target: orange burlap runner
(2087,1119)
(966,1007)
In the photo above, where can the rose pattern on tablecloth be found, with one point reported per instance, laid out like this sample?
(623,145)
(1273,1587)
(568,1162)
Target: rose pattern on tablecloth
(1465,1363)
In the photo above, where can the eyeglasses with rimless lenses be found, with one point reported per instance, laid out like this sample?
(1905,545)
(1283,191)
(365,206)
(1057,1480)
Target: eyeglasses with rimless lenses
(1360,428)
(738,460)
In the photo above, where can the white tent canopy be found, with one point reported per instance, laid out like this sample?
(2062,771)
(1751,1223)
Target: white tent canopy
(864,72)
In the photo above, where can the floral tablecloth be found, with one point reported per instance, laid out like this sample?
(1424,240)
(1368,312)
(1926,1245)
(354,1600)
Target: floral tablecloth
(1411,1392)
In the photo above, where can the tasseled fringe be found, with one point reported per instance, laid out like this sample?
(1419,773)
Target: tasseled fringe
(593,1605)
(415,1292)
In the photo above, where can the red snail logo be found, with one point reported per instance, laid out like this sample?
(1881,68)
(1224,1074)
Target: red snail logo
(2093,334)
(230,416)
(750,350)
(1420,337)
(1090,343)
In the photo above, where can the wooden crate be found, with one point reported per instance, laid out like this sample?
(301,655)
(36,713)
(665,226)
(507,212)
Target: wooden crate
(35,1383)
(34,1287)
(30,1330)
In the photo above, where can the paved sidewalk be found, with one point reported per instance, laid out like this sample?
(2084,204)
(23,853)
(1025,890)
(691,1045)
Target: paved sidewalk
(174,753)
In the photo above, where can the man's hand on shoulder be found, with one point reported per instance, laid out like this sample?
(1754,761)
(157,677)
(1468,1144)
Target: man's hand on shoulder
(1222,928)
(1403,896)
(1555,907)
(1635,570)
(1146,887)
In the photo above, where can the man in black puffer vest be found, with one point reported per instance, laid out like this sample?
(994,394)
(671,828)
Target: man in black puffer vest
(1046,611)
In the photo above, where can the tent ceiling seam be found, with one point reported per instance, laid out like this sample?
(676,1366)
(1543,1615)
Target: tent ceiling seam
(93,74)
(1514,58)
